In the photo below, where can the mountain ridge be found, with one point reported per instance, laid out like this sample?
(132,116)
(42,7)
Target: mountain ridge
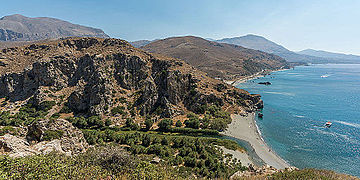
(218,60)
(327,54)
(261,43)
(21,28)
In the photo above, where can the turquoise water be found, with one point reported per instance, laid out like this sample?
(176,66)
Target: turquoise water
(297,105)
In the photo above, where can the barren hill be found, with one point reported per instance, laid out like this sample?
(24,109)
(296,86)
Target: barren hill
(20,28)
(218,60)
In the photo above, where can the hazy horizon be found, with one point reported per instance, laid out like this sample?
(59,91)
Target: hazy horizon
(296,25)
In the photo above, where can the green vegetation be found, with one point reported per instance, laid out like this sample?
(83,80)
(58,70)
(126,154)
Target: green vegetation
(65,109)
(165,125)
(131,125)
(26,115)
(193,121)
(190,131)
(93,122)
(108,162)
(8,129)
(118,110)
(50,135)
(197,155)
(148,123)
(214,118)
(178,123)
(121,100)
(303,174)
(183,153)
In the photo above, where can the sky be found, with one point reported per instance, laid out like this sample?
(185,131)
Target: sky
(331,25)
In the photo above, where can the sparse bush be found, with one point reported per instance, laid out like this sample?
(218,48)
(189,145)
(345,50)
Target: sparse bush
(178,123)
(148,123)
(52,134)
(165,125)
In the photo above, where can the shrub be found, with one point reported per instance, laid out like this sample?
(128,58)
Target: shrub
(178,123)
(65,109)
(131,124)
(108,122)
(118,110)
(148,123)
(52,134)
(8,129)
(165,125)
(46,105)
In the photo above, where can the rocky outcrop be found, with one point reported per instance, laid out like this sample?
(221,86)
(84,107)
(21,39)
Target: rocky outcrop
(15,147)
(70,140)
(44,137)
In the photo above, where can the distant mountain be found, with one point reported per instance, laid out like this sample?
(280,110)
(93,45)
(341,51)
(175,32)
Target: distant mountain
(326,54)
(219,60)
(140,43)
(21,28)
(263,44)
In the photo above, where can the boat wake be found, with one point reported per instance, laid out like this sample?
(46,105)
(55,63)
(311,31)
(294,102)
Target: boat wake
(349,124)
(280,93)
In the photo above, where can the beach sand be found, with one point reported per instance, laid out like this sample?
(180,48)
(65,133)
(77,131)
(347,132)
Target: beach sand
(246,129)
(242,156)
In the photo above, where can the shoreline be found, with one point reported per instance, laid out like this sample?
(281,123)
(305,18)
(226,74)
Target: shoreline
(246,129)
(251,77)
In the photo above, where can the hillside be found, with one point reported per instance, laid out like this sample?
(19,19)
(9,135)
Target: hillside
(349,58)
(140,43)
(218,60)
(20,28)
(64,95)
(100,108)
(104,66)
(263,44)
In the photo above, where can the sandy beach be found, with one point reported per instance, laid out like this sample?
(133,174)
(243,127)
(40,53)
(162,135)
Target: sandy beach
(245,128)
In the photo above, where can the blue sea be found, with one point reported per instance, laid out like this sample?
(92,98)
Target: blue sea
(297,105)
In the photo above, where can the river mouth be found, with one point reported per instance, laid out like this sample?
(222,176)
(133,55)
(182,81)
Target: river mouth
(250,151)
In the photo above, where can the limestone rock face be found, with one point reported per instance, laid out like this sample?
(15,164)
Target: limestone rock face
(71,142)
(16,147)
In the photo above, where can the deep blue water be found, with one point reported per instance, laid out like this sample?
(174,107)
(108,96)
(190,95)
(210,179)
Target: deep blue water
(297,105)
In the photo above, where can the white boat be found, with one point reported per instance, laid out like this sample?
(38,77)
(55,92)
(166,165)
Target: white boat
(328,124)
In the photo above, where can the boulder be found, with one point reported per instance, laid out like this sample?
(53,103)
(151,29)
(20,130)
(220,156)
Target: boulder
(71,142)
(15,147)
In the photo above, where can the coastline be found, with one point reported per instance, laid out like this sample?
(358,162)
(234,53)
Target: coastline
(251,77)
(245,128)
